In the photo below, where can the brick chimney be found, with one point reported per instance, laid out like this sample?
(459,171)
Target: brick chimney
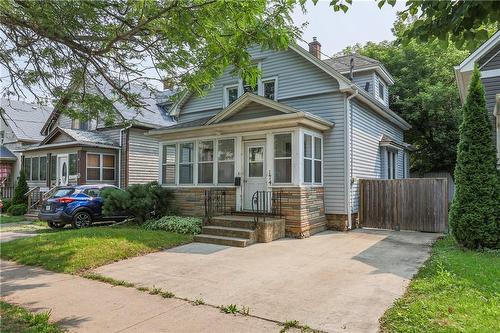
(315,48)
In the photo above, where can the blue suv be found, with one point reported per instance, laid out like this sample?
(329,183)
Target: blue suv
(76,205)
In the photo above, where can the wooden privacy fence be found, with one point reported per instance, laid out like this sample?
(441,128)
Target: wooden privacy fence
(418,204)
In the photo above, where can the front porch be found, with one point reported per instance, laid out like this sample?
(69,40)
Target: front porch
(253,146)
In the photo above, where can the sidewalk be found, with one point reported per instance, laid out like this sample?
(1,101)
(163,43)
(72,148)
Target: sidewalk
(82,305)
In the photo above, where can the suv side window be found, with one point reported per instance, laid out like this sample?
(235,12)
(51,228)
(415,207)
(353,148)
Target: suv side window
(93,192)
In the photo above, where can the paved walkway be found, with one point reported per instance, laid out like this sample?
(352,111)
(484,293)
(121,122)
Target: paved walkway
(332,281)
(82,305)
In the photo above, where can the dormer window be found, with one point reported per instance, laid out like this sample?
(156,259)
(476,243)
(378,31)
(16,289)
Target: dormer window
(381,90)
(80,124)
(266,87)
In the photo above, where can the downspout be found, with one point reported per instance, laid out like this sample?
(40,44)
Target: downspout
(120,155)
(349,153)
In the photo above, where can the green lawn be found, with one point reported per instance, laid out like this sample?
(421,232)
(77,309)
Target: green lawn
(11,219)
(15,319)
(456,291)
(73,251)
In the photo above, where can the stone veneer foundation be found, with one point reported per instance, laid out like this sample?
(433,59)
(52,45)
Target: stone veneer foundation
(340,221)
(302,207)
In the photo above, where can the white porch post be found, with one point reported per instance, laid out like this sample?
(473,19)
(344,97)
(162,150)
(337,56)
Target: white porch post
(239,158)
(269,167)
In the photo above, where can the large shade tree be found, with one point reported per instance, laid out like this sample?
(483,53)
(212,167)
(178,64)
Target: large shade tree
(49,48)
(424,94)
(467,23)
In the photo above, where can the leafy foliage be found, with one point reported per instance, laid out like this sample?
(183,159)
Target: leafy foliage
(424,94)
(466,23)
(475,213)
(21,189)
(6,204)
(456,290)
(18,319)
(141,201)
(17,209)
(179,224)
(55,47)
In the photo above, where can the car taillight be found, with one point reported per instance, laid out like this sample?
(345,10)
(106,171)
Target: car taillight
(65,200)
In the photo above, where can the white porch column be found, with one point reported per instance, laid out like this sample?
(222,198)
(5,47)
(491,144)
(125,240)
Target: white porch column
(239,158)
(269,167)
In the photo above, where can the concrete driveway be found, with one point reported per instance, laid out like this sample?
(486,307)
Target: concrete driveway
(332,281)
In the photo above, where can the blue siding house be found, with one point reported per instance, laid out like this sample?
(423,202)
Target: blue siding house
(487,58)
(310,128)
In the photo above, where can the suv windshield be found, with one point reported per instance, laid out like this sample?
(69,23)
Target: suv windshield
(63,192)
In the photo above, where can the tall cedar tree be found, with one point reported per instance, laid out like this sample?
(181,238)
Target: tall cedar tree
(21,189)
(474,212)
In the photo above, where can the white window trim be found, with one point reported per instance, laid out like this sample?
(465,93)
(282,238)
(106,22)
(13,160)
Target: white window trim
(384,88)
(312,158)
(267,79)
(166,163)
(217,161)
(389,169)
(291,158)
(101,167)
(226,94)
(31,168)
(214,157)
(193,162)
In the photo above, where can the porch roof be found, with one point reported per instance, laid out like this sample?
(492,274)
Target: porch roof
(220,123)
(77,138)
(387,141)
(6,155)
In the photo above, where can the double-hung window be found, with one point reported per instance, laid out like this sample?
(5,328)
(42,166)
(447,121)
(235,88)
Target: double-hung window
(53,167)
(391,164)
(318,161)
(186,154)
(73,164)
(283,158)
(34,168)
(231,94)
(27,167)
(206,162)
(313,159)
(168,164)
(269,88)
(225,161)
(99,167)
(43,167)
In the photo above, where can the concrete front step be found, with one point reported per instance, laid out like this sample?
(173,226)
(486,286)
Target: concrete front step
(228,232)
(221,240)
(233,221)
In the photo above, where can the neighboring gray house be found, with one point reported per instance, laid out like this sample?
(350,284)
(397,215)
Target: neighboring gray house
(305,129)
(487,57)
(20,126)
(89,152)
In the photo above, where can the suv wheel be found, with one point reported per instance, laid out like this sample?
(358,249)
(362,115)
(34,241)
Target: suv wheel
(81,220)
(55,225)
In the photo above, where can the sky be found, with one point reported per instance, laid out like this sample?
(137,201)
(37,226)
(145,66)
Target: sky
(363,22)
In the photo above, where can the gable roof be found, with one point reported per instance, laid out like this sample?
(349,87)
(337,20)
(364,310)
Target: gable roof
(345,85)
(468,63)
(84,137)
(152,115)
(243,101)
(360,63)
(464,70)
(25,119)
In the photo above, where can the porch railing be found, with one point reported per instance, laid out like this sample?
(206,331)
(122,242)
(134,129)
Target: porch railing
(215,203)
(34,198)
(267,204)
(7,191)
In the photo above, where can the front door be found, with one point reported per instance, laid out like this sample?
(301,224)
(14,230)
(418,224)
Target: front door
(62,171)
(255,171)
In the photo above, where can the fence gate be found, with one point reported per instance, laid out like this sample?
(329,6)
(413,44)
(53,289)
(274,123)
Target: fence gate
(418,204)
